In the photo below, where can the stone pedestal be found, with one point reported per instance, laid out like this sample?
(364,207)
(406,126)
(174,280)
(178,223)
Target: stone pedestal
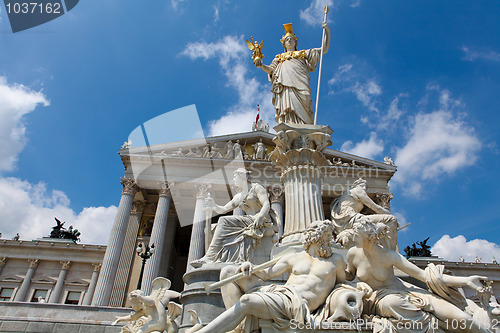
(194,297)
(299,156)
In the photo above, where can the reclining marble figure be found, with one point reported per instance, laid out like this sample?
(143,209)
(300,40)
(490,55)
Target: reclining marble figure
(398,305)
(313,273)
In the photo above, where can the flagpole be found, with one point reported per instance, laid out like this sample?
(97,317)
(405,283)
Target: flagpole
(320,65)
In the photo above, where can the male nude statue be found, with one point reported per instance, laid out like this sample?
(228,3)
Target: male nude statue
(313,274)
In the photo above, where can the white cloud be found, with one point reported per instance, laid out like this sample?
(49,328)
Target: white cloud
(29,209)
(232,122)
(233,57)
(452,248)
(95,224)
(314,14)
(216,12)
(439,143)
(349,80)
(402,222)
(366,93)
(390,118)
(355,3)
(473,55)
(367,148)
(16,101)
(175,3)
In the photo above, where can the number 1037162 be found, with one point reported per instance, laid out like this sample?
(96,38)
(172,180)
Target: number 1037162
(456,324)
(33,8)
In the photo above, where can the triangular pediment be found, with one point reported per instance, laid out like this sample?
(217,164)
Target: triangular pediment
(76,282)
(183,148)
(12,278)
(342,159)
(44,280)
(218,148)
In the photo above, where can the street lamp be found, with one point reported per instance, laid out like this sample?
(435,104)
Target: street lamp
(148,252)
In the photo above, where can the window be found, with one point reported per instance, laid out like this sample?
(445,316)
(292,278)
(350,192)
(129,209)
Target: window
(38,295)
(73,297)
(6,294)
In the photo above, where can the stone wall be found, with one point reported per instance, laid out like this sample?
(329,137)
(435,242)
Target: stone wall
(52,318)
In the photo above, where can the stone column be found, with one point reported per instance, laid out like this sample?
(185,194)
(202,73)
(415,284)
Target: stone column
(299,156)
(126,257)
(197,245)
(276,198)
(157,237)
(87,300)
(115,245)
(55,295)
(3,262)
(23,290)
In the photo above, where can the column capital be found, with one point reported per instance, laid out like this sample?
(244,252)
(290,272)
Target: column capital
(3,261)
(275,193)
(97,266)
(65,265)
(138,206)
(166,188)
(129,186)
(202,190)
(34,262)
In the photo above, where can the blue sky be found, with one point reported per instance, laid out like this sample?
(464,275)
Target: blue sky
(417,81)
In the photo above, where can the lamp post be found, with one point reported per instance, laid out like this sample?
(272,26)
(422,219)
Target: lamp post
(148,252)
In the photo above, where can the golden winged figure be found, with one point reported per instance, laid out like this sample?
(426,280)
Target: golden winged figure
(256,48)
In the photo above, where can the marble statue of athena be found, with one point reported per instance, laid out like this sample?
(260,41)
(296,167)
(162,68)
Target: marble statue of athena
(289,74)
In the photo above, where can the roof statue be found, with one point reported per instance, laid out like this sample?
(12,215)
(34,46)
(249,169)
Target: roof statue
(423,251)
(60,232)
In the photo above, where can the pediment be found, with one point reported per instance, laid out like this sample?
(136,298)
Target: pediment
(218,148)
(195,148)
(44,280)
(342,159)
(12,278)
(77,282)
